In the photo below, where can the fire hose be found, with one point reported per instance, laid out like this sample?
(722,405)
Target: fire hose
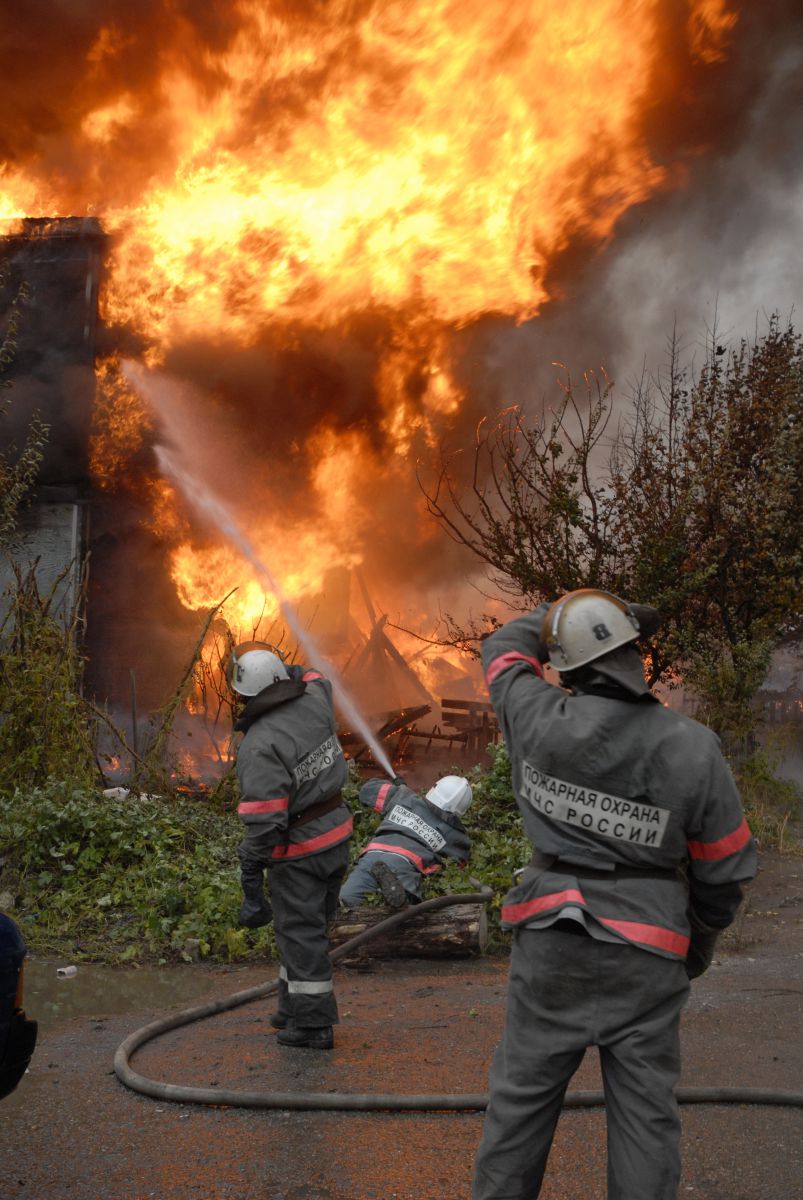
(370,1102)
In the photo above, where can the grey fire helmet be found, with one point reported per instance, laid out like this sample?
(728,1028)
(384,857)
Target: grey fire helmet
(584,625)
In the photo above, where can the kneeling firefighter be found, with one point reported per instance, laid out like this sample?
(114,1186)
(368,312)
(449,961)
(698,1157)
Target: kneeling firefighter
(416,833)
(639,849)
(291,768)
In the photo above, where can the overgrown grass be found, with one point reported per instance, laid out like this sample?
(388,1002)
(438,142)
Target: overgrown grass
(45,728)
(771,803)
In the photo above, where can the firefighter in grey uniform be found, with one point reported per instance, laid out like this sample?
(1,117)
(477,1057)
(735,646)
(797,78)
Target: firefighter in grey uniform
(621,798)
(291,768)
(415,833)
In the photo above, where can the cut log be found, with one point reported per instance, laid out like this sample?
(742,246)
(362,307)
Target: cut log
(456,932)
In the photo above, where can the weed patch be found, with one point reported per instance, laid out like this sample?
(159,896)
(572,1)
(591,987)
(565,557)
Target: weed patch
(770,802)
(122,880)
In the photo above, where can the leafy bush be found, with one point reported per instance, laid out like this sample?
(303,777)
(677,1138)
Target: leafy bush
(139,878)
(499,845)
(122,879)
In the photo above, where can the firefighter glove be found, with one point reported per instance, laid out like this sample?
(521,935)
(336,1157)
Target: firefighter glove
(541,652)
(701,947)
(255,910)
(649,619)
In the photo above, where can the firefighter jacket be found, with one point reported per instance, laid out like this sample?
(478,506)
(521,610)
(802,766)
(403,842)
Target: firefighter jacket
(621,797)
(413,828)
(291,768)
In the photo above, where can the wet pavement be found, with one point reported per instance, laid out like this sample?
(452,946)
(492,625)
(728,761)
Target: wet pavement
(52,998)
(72,1132)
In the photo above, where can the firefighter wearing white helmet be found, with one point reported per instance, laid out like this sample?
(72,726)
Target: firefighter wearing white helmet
(415,835)
(291,769)
(640,848)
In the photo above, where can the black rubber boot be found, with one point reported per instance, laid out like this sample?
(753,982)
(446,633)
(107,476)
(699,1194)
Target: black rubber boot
(279,1020)
(392,889)
(304,1037)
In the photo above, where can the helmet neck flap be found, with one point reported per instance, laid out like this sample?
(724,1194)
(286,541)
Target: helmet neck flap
(274,695)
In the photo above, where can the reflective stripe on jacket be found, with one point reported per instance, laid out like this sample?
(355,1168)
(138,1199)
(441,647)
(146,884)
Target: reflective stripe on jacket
(605,783)
(410,855)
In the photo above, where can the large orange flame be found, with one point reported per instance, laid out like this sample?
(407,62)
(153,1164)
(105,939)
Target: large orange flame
(438,153)
(428,160)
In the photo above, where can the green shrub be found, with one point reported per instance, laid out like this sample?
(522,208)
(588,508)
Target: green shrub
(499,845)
(123,879)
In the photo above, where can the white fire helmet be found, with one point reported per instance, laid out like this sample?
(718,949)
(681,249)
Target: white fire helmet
(451,794)
(584,625)
(254,666)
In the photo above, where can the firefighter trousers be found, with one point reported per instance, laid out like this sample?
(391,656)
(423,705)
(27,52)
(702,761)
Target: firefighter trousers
(360,882)
(569,991)
(303,893)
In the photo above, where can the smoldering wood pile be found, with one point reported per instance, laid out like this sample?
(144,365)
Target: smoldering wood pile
(466,725)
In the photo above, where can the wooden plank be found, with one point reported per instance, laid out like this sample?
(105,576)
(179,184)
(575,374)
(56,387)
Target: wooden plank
(469,706)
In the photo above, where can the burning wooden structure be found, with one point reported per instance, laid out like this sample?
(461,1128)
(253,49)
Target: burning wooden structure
(79,513)
(411,730)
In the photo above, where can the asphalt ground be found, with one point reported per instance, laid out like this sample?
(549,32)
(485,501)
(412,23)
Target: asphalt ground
(71,1131)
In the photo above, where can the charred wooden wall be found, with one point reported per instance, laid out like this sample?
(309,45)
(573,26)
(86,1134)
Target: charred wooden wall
(53,269)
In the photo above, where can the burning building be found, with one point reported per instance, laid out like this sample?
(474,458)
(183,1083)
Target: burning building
(52,269)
